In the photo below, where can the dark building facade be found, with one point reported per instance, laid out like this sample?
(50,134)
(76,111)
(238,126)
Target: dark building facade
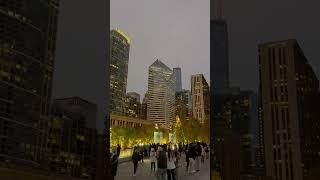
(81,107)
(220,55)
(237,110)
(177,74)
(72,144)
(120,46)
(27,52)
(289,96)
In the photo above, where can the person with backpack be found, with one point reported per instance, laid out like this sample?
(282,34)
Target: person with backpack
(135,159)
(162,164)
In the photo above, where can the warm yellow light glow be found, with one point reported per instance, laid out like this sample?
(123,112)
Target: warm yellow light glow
(123,34)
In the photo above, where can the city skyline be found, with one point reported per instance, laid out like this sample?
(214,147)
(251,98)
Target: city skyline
(177,35)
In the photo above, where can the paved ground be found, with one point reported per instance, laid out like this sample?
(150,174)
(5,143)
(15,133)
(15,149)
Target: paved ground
(125,171)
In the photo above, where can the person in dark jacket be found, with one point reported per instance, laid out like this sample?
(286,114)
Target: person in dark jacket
(118,150)
(187,157)
(114,163)
(162,164)
(141,155)
(198,151)
(135,159)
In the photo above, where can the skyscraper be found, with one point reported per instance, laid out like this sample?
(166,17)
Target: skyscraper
(27,54)
(120,46)
(177,74)
(220,55)
(219,49)
(161,95)
(289,92)
(200,97)
(237,110)
(72,138)
(183,104)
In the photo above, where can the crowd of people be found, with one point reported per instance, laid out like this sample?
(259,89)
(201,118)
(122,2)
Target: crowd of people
(165,158)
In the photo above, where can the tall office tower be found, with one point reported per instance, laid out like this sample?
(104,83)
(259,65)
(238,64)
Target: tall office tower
(290,96)
(238,111)
(133,107)
(27,53)
(120,46)
(161,95)
(183,104)
(177,74)
(72,139)
(259,153)
(219,49)
(200,97)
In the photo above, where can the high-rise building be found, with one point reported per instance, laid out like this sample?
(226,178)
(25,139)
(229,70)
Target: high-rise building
(183,105)
(238,111)
(120,46)
(72,139)
(27,54)
(161,95)
(200,97)
(289,92)
(177,74)
(220,55)
(133,106)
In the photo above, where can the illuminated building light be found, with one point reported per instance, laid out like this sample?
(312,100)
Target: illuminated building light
(123,34)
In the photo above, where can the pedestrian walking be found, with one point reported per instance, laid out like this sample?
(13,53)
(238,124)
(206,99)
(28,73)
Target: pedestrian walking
(203,152)
(198,156)
(162,164)
(187,157)
(118,150)
(141,155)
(135,159)
(114,163)
(207,151)
(191,153)
(171,165)
(153,159)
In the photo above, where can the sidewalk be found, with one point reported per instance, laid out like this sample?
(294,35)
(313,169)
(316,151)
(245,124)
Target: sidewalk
(125,171)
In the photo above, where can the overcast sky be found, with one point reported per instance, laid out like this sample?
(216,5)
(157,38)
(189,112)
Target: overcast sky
(176,31)
(252,22)
(80,64)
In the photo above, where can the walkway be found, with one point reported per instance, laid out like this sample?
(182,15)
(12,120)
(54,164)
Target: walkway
(125,171)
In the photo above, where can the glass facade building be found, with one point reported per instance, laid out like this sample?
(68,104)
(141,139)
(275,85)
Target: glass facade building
(177,74)
(27,52)
(161,95)
(220,55)
(120,46)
